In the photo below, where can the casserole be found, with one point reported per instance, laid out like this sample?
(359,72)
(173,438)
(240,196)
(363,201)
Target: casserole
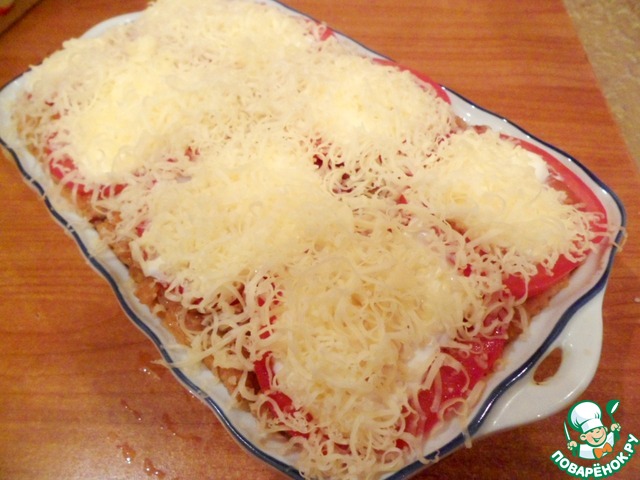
(198,381)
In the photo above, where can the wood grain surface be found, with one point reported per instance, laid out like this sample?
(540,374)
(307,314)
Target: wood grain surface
(80,396)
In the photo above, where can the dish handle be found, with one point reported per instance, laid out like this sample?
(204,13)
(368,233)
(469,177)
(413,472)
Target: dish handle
(528,400)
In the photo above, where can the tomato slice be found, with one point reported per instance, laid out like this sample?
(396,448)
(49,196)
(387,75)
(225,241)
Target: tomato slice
(578,193)
(440,92)
(264,373)
(457,384)
(60,169)
(566,180)
(542,281)
(476,363)
(326,33)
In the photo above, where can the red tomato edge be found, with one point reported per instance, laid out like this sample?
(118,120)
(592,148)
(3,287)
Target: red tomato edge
(579,193)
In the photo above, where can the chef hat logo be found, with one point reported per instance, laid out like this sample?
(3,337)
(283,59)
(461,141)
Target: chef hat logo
(585,416)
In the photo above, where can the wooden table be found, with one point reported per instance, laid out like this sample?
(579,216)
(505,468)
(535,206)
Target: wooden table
(79,394)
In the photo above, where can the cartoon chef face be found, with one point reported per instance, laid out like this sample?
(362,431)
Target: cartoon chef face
(595,437)
(586,418)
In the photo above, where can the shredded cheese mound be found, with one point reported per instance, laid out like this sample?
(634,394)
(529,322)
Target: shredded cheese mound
(370,305)
(287,197)
(496,191)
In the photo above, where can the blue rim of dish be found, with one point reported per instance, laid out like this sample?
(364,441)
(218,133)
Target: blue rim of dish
(492,397)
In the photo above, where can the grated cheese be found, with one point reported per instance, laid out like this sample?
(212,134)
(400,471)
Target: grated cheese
(265,166)
(496,191)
